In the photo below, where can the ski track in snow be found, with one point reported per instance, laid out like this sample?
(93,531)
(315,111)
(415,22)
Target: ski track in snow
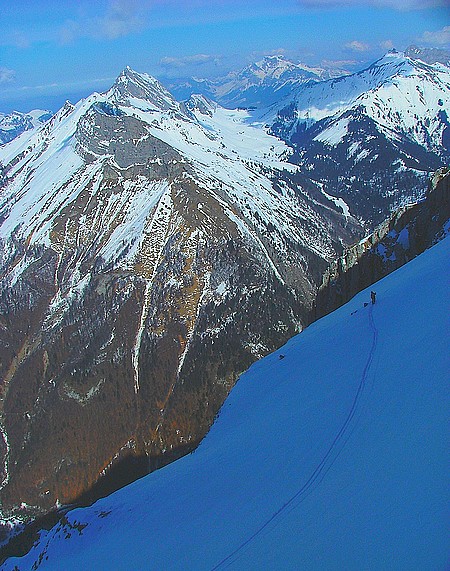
(332,454)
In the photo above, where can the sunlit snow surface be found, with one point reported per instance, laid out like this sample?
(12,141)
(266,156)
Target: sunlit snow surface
(333,457)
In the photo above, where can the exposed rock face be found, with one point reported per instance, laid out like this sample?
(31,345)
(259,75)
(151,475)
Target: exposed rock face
(407,233)
(150,252)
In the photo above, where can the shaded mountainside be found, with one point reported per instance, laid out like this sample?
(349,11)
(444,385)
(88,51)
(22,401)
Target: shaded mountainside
(150,252)
(406,234)
(331,453)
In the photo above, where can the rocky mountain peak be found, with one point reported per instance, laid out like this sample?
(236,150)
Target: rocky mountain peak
(131,85)
(412,61)
(274,67)
(274,63)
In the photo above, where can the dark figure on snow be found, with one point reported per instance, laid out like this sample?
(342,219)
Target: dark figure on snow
(373,295)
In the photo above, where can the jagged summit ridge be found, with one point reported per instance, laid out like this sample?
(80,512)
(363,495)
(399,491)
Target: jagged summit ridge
(275,67)
(202,104)
(429,55)
(131,86)
(269,67)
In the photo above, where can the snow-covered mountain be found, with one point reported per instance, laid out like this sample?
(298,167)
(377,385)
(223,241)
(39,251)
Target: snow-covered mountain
(371,137)
(15,123)
(257,85)
(331,453)
(150,251)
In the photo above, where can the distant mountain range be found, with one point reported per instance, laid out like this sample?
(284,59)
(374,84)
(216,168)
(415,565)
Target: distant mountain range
(14,124)
(258,85)
(152,249)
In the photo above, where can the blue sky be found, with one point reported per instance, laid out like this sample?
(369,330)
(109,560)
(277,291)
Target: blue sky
(52,50)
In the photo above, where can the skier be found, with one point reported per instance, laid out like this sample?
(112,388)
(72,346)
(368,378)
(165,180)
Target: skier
(373,295)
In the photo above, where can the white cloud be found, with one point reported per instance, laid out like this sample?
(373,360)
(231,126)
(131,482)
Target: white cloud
(356,46)
(387,45)
(197,59)
(6,75)
(438,38)
(121,18)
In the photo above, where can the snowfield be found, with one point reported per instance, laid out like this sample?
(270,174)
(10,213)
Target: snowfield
(331,453)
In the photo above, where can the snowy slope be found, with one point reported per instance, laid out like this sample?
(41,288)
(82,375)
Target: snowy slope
(414,88)
(333,457)
(405,98)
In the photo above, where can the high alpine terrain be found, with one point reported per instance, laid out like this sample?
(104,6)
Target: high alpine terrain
(405,234)
(370,138)
(14,124)
(150,251)
(259,84)
(331,453)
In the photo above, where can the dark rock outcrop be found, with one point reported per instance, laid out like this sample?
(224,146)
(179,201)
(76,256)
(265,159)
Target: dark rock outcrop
(407,233)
